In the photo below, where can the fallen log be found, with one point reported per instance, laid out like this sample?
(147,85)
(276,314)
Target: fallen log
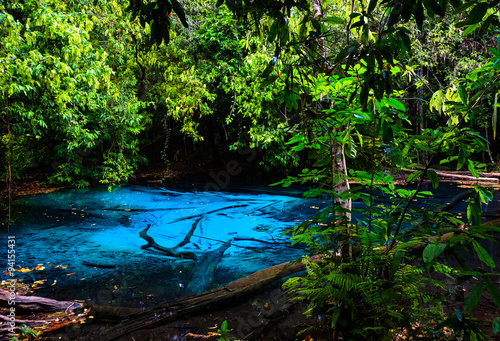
(36,304)
(160,314)
(453,175)
(31,305)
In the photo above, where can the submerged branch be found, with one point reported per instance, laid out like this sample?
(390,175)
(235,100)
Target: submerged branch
(169,251)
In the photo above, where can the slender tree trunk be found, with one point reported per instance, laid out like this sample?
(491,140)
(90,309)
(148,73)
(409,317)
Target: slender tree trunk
(421,157)
(339,169)
(317,6)
(340,183)
(488,146)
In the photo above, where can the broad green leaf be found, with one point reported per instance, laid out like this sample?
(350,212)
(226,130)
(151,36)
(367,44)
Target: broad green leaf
(496,325)
(268,81)
(334,20)
(413,176)
(396,262)
(396,104)
(470,29)
(472,169)
(387,133)
(477,13)
(351,151)
(267,71)
(371,6)
(463,94)
(432,175)
(432,251)
(483,254)
(180,12)
(273,31)
(494,292)
(473,297)
(461,157)
(433,6)
(463,7)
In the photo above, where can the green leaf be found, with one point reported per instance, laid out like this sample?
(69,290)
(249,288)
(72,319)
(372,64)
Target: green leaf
(179,10)
(487,22)
(477,13)
(351,150)
(396,262)
(472,169)
(463,94)
(494,293)
(334,20)
(413,176)
(473,297)
(371,6)
(396,104)
(434,7)
(483,254)
(496,325)
(224,325)
(463,7)
(432,175)
(432,251)
(387,133)
(470,29)
(268,81)
(405,39)
(267,71)
(273,31)
(461,157)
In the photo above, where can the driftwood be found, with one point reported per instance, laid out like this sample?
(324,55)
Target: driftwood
(171,251)
(36,304)
(229,293)
(206,261)
(30,304)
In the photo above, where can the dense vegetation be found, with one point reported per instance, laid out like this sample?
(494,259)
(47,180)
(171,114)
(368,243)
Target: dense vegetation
(344,92)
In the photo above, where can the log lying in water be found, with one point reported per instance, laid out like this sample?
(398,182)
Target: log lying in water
(209,300)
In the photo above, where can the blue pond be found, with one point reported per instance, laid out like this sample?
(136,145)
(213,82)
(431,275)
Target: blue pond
(64,233)
(85,244)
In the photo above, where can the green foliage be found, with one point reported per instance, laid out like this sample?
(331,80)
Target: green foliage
(223,331)
(26,333)
(59,90)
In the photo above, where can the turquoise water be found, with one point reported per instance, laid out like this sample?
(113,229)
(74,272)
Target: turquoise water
(85,244)
(64,233)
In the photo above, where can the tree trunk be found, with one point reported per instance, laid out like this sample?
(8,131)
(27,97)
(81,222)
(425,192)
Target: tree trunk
(317,7)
